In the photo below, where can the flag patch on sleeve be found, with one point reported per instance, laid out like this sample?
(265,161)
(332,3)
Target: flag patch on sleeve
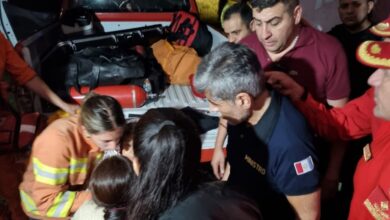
(304,166)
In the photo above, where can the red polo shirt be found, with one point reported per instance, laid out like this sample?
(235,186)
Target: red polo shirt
(317,62)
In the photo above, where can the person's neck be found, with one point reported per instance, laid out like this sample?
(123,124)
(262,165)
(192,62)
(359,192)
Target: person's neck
(260,106)
(290,45)
(358,28)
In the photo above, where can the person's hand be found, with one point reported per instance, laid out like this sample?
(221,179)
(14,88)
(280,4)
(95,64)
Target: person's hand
(70,108)
(284,84)
(218,162)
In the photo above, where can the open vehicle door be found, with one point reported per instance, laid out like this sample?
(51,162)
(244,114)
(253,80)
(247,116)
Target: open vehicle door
(36,35)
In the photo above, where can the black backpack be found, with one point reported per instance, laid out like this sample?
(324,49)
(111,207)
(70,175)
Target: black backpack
(98,66)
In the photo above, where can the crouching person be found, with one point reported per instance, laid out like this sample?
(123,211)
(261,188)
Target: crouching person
(64,155)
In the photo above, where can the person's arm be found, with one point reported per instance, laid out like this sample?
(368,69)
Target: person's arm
(306,207)
(350,122)
(339,103)
(89,210)
(337,85)
(24,75)
(41,89)
(218,160)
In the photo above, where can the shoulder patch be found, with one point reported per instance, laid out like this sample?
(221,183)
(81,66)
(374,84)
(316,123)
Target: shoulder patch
(304,166)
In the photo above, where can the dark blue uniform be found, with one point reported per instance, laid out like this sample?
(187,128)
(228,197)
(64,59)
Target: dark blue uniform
(274,158)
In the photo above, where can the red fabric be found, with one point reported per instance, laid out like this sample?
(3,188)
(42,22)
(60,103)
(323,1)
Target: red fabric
(355,120)
(189,29)
(373,173)
(375,203)
(298,168)
(11,62)
(8,125)
(317,62)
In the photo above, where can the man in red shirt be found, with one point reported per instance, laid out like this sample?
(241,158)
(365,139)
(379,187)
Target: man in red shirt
(368,114)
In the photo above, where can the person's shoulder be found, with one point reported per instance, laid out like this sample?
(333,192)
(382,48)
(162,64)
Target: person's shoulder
(64,122)
(324,40)
(250,40)
(287,107)
(61,130)
(89,210)
(291,121)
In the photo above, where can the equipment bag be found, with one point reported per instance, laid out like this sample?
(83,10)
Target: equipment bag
(187,30)
(178,62)
(97,66)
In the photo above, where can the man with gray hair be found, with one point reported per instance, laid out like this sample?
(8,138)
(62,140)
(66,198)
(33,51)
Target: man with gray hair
(270,152)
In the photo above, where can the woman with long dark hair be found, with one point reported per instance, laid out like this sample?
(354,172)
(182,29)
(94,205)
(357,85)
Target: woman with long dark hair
(166,147)
(165,151)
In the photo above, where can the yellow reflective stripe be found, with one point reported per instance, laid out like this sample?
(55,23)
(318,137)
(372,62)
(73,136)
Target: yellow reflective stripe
(28,203)
(78,165)
(49,175)
(99,156)
(62,204)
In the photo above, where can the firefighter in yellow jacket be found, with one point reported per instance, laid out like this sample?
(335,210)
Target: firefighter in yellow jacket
(63,157)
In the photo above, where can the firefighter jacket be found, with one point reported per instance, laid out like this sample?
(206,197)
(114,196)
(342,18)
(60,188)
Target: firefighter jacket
(61,161)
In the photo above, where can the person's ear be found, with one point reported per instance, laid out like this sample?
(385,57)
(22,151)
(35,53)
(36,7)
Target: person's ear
(127,150)
(297,14)
(243,100)
(371,5)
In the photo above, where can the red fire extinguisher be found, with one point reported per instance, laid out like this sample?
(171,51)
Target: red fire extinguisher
(129,96)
